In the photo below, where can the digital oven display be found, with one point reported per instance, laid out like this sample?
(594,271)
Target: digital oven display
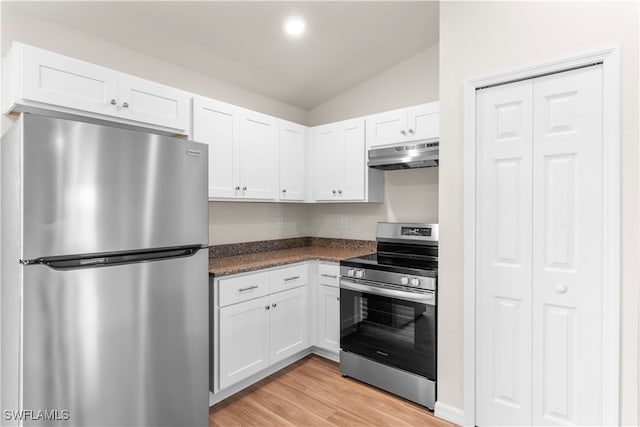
(416,231)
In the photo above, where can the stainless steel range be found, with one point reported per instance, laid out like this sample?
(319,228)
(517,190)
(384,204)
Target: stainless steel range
(388,312)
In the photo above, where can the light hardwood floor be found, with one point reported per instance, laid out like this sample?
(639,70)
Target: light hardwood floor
(312,392)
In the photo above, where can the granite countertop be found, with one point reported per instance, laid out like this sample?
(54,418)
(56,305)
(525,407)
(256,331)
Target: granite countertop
(323,251)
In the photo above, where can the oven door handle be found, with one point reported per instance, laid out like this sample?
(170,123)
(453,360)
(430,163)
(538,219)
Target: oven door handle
(423,298)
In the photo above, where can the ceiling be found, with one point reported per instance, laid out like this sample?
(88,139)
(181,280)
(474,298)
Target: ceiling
(242,43)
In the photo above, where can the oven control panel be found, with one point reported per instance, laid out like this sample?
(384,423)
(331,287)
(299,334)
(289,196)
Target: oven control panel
(388,277)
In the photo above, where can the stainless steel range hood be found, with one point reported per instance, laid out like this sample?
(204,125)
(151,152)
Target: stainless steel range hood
(417,154)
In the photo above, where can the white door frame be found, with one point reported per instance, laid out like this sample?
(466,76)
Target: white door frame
(611,159)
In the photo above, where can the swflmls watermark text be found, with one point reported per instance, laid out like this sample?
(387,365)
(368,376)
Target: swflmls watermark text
(37,415)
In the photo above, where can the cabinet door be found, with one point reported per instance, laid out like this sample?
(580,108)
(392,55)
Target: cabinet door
(504,240)
(423,121)
(353,160)
(386,128)
(328,318)
(258,156)
(217,124)
(59,80)
(149,102)
(289,330)
(244,340)
(326,157)
(293,154)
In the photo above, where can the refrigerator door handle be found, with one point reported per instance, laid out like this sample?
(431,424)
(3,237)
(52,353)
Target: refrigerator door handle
(73,262)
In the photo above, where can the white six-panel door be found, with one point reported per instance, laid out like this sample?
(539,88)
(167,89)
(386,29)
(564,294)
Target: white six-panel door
(504,211)
(539,251)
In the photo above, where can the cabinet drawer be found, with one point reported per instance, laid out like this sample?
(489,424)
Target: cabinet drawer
(237,289)
(329,274)
(289,277)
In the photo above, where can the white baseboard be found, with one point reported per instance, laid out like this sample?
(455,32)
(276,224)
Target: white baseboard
(449,413)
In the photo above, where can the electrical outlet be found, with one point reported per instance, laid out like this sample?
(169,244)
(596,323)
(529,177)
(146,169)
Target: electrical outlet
(344,222)
(279,222)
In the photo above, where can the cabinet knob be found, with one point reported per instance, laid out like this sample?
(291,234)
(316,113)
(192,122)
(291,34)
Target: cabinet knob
(340,192)
(125,105)
(338,298)
(113,102)
(237,188)
(274,305)
(561,288)
(266,307)
(411,131)
(333,191)
(244,188)
(403,132)
(284,190)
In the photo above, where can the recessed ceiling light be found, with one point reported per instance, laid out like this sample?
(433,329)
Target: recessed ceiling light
(294,26)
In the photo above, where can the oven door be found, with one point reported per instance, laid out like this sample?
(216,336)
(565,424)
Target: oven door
(390,326)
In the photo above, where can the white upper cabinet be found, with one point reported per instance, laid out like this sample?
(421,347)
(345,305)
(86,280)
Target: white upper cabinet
(404,125)
(258,156)
(218,125)
(338,160)
(293,164)
(37,79)
(243,150)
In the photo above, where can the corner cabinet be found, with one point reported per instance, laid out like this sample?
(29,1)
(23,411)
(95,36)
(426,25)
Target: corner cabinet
(338,164)
(293,161)
(36,80)
(404,125)
(243,150)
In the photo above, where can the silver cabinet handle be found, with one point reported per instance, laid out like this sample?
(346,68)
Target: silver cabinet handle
(266,307)
(330,276)
(244,188)
(113,102)
(125,105)
(288,279)
(338,298)
(333,191)
(411,131)
(237,188)
(403,132)
(284,190)
(248,288)
(340,192)
(274,305)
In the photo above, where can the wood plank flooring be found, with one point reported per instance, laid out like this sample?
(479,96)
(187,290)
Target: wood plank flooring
(312,392)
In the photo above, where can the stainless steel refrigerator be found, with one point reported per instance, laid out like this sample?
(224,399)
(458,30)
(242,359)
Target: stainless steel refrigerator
(104,276)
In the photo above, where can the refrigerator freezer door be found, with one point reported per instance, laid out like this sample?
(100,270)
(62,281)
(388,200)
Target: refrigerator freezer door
(122,345)
(89,188)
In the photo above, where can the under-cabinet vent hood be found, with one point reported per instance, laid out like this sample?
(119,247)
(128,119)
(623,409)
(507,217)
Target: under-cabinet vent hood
(418,154)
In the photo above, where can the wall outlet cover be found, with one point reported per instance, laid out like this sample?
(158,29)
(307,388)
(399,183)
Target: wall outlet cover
(344,222)
(279,222)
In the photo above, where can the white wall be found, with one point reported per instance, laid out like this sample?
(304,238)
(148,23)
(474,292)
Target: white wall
(60,39)
(483,38)
(412,81)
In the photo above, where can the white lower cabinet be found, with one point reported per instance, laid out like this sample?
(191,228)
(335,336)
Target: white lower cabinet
(259,332)
(328,318)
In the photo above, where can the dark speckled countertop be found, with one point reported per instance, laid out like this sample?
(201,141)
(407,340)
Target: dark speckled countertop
(322,249)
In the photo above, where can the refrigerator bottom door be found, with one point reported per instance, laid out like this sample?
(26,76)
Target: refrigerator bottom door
(123,345)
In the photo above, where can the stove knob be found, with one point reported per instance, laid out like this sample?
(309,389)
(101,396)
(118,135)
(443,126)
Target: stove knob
(404,280)
(351,272)
(415,282)
(359,274)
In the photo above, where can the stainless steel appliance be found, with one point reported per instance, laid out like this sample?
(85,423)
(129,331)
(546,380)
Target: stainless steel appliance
(104,276)
(418,154)
(388,312)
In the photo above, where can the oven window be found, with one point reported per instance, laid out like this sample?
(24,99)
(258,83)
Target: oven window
(389,330)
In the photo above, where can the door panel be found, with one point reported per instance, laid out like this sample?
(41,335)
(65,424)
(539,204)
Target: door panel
(326,158)
(258,156)
(423,121)
(567,248)
(244,340)
(217,124)
(352,171)
(91,189)
(288,323)
(293,161)
(118,345)
(329,317)
(503,224)
(387,128)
